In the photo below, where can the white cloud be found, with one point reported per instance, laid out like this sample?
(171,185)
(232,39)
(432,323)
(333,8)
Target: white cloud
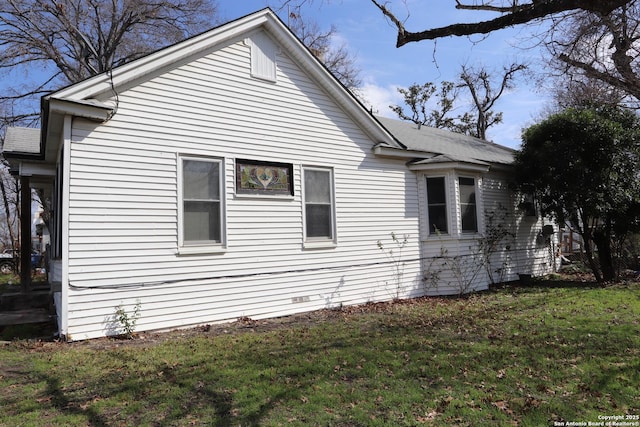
(378,98)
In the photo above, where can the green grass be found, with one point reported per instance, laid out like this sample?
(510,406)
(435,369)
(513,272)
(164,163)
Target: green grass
(11,282)
(7,281)
(514,356)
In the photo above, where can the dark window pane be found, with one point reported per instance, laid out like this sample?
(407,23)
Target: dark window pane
(438,219)
(466,181)
(437,205)
(318,220)
(469,222)
(468,204)
(436,193)
(467,190)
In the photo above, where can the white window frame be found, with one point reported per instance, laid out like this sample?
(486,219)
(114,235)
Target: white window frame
(319,242)
(201,247)
(454,208)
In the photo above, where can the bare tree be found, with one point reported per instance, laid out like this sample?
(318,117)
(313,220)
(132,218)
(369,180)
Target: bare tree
(591,47)
(569,91)
(596,39)
(70,40)
(438,114)
(485,93)
(9,191)
(512,12)
(336,57)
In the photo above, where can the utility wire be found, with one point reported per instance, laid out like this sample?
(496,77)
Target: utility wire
(273,273)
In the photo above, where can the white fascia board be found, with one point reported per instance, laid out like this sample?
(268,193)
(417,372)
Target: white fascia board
(88,110)
(36,169)
(400,153)
(468,167)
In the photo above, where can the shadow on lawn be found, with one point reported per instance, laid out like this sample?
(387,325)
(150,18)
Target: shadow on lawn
(186,395)
(537,284)
(61,401)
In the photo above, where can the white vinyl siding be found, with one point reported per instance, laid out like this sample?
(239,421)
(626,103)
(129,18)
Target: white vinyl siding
(523,252)
(124,203)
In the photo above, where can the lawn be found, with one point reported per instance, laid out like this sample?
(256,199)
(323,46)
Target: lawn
(541,355)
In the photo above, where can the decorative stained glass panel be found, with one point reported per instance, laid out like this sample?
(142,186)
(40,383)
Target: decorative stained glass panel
(263,178)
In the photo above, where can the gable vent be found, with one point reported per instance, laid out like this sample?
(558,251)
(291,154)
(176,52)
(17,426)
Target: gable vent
(263,56)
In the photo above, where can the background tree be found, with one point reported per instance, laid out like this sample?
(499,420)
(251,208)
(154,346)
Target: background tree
(483,91)
(582,165)
(512,12)
(9,217)
(336,57)
(418,99)
(597,39)
(572,91)
(48,45)
(599,50)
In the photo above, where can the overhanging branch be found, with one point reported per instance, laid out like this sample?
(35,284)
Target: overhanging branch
(513,16)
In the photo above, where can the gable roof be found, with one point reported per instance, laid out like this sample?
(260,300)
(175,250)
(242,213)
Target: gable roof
(21,140)
(442,146)
(91,95)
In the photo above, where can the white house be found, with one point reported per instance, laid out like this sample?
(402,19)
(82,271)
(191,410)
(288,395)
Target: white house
(231,175)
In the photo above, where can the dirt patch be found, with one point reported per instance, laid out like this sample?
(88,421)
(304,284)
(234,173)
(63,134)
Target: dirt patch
(242,325)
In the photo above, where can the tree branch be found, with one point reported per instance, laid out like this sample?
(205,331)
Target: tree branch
(519,14)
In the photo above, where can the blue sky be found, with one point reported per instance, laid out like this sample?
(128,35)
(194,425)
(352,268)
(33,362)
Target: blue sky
(365,32)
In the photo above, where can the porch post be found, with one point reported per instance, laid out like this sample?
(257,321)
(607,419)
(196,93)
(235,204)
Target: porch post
(25,234)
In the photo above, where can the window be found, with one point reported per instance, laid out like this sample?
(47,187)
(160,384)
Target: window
(258,178)
(201,201)
(437,205)
(318,204)
(468,204)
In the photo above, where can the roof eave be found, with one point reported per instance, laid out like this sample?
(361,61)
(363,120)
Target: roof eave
(87,109)
(387,151)
(463,166)
(53,112)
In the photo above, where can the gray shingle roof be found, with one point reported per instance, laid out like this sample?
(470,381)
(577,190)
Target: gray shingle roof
(448,146)
(22,140)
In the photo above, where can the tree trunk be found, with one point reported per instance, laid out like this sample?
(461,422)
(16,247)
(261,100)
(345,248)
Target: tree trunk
(25,234)
(7,213)
(602,240)
(587,239)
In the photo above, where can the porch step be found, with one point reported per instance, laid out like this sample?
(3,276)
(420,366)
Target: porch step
(10,301)
(27,316)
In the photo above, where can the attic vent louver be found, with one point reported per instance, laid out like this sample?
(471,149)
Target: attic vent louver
(263,56)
